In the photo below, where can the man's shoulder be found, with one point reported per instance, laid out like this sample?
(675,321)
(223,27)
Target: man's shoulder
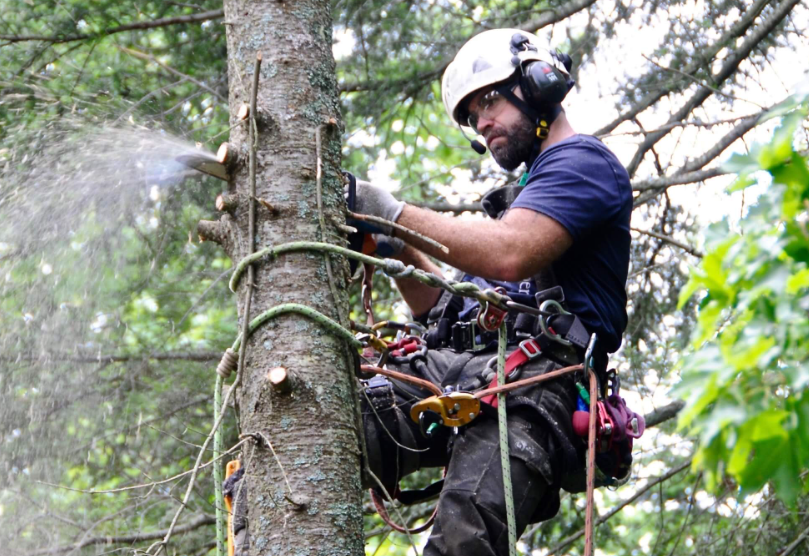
(583,156)
(583,148)
(579,176)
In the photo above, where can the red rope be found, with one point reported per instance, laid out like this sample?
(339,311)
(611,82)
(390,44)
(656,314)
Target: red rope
(528,381)
(379,504)
(591,466)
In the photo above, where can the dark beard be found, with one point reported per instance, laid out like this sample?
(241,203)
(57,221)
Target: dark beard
(518,147)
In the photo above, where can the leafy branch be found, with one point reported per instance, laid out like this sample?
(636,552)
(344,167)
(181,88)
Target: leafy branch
(745,377)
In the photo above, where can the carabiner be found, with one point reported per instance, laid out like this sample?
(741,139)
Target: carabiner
(543,321)
(490,316)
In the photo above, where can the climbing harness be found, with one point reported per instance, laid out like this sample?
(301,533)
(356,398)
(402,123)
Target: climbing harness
(455,408)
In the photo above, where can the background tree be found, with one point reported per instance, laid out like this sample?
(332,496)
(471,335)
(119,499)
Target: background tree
(113,316)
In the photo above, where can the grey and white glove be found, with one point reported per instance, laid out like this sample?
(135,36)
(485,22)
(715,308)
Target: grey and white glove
(375,201)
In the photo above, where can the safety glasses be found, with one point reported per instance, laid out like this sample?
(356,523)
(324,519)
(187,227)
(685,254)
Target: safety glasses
(488,107)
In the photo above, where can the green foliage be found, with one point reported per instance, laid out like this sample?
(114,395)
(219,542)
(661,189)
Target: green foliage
(745,379)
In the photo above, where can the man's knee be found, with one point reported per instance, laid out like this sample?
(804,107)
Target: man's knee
(472,518)
(475,523)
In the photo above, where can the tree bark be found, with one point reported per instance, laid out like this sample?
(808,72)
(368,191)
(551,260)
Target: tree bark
(312,429)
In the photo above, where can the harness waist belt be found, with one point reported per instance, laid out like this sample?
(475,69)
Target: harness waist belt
(469,336)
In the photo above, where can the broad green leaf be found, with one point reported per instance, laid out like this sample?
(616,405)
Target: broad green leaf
(798,281)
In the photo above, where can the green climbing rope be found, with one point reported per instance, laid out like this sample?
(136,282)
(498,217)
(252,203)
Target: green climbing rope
(219,499)
(504,449)
(391,267)
(314,315)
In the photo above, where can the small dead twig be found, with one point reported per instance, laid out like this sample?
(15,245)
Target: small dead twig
(685,247)
(700,82)
(262,436)
(569,540)
(146,485)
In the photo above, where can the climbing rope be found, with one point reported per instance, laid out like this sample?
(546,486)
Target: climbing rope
(591,457)
(391,267)
(228,364)
(219,499)
(502,342)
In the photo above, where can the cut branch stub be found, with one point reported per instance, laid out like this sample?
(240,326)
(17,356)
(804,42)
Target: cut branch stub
(227,202)
(211,230)
(280,380)
(227,156)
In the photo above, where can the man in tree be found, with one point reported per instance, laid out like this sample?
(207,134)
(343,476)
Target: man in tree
(566,224)
(563,229)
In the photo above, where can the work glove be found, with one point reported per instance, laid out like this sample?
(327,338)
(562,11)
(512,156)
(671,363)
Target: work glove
(375,201)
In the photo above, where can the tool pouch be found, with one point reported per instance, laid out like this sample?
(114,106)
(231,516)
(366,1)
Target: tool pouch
(616,460)
(617,427)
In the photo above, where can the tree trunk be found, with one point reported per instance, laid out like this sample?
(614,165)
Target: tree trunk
(311,422)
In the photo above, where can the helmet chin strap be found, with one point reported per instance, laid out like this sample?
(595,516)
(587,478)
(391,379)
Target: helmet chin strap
(542,118)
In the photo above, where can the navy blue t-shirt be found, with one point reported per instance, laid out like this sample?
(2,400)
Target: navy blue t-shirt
(581,184)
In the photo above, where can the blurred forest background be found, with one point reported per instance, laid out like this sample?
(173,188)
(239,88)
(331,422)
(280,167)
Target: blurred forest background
(113,315)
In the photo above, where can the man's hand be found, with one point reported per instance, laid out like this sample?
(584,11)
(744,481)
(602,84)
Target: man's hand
(374,201)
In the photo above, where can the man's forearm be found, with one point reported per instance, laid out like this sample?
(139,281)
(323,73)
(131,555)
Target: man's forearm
(419,297)
(511,249)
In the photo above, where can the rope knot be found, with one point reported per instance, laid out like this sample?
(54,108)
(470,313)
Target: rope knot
(228,364)
(397,269)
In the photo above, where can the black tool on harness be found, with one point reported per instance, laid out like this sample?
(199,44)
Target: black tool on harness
(497,201)
(380,392)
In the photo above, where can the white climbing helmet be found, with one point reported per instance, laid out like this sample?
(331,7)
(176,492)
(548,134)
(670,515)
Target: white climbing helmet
(486,59)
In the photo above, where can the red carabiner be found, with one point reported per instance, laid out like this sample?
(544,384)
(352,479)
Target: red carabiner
(604,429)
(490,317)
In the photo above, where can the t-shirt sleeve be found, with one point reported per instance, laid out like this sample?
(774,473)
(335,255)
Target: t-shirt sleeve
(576,186)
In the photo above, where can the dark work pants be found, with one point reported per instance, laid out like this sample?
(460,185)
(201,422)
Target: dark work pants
(471,518)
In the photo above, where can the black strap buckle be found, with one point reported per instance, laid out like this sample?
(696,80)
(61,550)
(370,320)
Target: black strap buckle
(465,337)
(380,392)
(556,293)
